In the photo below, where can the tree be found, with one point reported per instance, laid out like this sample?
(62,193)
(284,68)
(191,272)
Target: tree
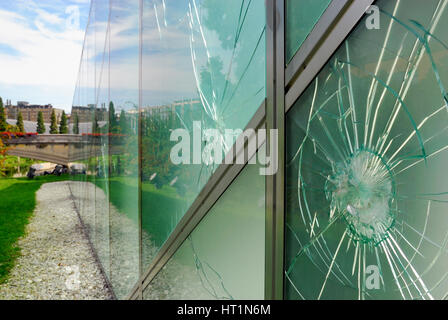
(119,169)
(95,125)
(40,123)
(3,150)
(3,124)
(63,128)
(123,122)
(53,123)
(113,123)
(76,124)
(156,149)
(19,124)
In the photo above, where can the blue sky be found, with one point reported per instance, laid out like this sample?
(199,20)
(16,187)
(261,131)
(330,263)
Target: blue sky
(40,49)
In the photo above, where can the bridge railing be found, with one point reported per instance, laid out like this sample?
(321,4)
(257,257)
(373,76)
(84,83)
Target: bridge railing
(47,139)
(59,139)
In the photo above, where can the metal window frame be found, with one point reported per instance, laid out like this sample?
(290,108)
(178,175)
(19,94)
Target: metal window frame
(139,146)
(284,85)
(216,186)
(275,119)
(315,37)
(330,31)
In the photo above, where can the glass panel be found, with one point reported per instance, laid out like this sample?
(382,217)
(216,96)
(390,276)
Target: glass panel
(366,163)
(301,16)
(203,68)
(101,143)
(105,178)
(123,182)
(88,88)
(223,258)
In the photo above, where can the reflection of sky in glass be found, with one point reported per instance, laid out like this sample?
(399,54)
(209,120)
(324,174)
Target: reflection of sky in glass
(186,39)
(199,60)
(204,60)
(111,47)
(180,40)
(367,153)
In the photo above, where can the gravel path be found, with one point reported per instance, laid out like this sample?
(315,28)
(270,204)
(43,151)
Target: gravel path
(115,237)
(56,261)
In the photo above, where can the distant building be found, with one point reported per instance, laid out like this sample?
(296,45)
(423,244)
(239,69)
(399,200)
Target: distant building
(85,114)
(179,107)
(30,111)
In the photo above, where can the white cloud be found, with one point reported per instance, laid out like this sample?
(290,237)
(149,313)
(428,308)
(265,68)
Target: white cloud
(43,57)
(48,17)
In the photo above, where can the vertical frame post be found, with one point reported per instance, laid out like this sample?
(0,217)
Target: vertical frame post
(275,119)
(139,145)
(109,158)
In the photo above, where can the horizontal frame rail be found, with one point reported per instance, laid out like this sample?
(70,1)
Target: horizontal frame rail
(325,41)
(218,183)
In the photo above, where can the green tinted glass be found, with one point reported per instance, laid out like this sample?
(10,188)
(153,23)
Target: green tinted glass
(367,187)
(301,16)
(124,148)
(203,67)
(223,258)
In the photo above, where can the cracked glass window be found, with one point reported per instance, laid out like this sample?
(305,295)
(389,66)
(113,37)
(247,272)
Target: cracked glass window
(91,167)
(105,114)
(101,236)
(301,17)
(367,149)
(122,86)
(223,258)
(203,68)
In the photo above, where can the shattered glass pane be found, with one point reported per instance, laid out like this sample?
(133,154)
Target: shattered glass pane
(213,263)
(203,68)
(367,188)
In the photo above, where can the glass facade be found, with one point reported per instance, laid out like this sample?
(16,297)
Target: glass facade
(200,63)
(213,262)
(148,69)
(363,184)
(367,142)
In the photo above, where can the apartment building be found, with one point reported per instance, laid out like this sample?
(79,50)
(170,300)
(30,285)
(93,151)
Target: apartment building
(30,111)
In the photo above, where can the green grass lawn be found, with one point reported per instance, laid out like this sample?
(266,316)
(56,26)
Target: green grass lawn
(17,203)
(11,165)
(161,208)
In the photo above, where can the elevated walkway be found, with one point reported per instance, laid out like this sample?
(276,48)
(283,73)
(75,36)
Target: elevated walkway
(58,148)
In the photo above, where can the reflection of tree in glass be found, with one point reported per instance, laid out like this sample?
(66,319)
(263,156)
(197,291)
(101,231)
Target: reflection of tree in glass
(113,123)
(228,63)
(225,85)
(156,165)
